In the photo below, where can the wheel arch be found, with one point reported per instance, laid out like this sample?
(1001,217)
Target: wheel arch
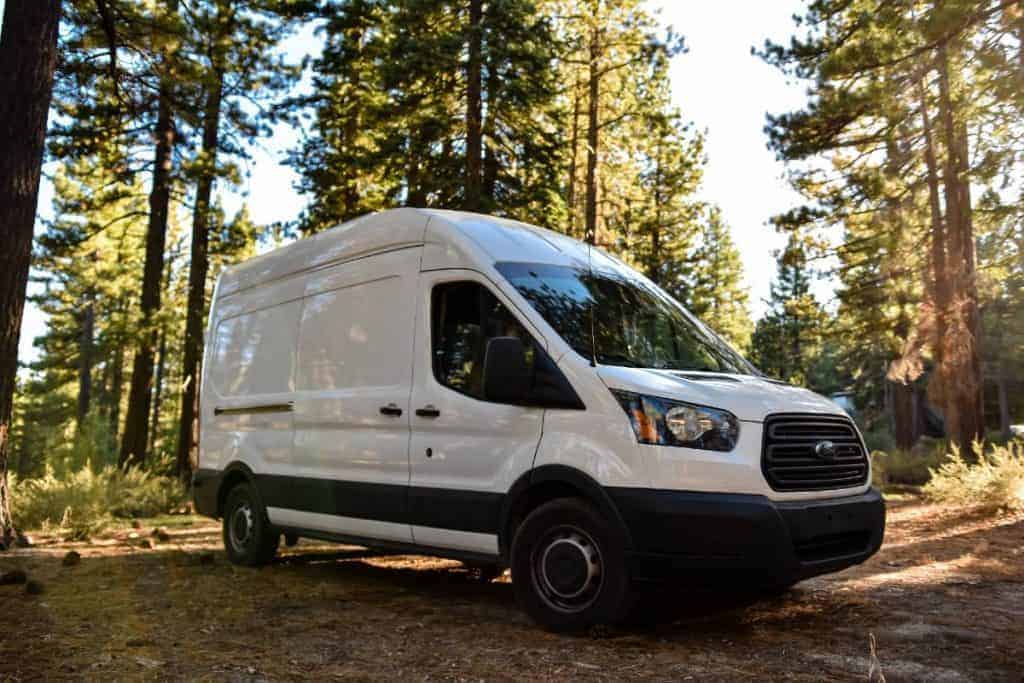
(548,482)
(235,473)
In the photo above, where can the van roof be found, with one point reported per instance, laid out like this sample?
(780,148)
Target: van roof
(500,239)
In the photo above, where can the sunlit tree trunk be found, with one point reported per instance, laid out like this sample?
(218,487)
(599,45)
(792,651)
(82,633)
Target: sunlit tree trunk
(85,347)
(570,198)
(136,427)
(28,55)
(188,432)
(961,352)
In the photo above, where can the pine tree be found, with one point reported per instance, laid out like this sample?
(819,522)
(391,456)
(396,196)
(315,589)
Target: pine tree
(29,55)
(236,41)
(895,88)
(713,286)
(788,340)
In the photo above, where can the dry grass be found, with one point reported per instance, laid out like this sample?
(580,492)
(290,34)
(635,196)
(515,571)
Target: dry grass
(993,478)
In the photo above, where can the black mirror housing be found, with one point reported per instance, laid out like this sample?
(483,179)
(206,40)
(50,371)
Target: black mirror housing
(506,375)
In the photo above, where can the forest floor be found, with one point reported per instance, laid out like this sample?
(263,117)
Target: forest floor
(943,601)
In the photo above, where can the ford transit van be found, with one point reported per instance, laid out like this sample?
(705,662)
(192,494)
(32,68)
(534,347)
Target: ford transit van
(459,385)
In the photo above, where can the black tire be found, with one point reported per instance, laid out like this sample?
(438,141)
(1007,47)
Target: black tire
(249,539)
(569,567)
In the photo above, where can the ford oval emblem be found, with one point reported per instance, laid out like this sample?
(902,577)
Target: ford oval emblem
(825,450)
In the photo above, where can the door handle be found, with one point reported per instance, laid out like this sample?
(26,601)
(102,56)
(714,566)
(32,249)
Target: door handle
(391,409)
(428,411)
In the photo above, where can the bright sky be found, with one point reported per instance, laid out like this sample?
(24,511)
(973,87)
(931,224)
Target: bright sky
(717,84)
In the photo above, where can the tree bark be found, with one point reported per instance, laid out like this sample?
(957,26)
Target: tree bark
(490,139)
(903,415)
(593,135)
(85,345)
(961,353)
(474,109)
(158,390)
(570,197)
(136,427)
(28,53)
(653,267)
(188,431)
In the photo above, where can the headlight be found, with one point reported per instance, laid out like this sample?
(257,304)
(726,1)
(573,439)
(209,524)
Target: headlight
(673,423)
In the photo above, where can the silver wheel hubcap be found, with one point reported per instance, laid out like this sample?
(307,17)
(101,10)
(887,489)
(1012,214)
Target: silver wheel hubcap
(241,527)
(567,569)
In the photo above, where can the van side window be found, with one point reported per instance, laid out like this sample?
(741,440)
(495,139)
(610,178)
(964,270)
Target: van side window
(465,315)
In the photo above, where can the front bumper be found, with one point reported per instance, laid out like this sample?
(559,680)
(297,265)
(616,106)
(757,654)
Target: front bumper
(677,531)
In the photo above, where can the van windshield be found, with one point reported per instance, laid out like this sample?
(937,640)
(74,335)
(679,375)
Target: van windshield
(636,324)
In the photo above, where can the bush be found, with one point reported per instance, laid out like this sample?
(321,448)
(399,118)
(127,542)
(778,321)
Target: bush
(879,439)
(994,479)
(83,501)
(908,468)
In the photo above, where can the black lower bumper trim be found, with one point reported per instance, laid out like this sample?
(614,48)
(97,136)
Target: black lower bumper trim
(676,531)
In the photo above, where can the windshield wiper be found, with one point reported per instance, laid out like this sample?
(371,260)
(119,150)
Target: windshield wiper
(618,359)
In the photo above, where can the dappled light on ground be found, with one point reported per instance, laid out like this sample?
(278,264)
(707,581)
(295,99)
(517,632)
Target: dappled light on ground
(942,598)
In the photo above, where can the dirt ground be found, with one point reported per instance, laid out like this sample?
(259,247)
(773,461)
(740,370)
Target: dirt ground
(943,601)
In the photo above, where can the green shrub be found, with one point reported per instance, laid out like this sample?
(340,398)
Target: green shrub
(84,500)
(879,439)
(994,479)
(907,468)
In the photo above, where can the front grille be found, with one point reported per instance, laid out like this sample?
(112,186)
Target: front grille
(790,462)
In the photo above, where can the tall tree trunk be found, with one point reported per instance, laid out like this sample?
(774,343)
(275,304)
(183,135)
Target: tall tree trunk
(964,422)
(903,414)
(939,286)
(158,390)
(474,109)
(136,427)
(593,137)
(85,345)
(188,432)
(570,197)
(653,267)
(116,391)
(491,143)
(28,53)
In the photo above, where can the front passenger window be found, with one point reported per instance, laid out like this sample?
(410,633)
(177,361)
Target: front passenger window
(464,316)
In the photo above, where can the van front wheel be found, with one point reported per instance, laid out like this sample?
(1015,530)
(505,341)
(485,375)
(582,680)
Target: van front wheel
(569,567)
(248,537)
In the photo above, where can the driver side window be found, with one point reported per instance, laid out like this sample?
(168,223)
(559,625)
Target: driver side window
(464,316)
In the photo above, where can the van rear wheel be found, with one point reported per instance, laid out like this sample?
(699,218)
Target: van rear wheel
(249,539)
(569,567)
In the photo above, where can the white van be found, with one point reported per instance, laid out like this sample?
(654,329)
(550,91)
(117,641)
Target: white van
(470,387)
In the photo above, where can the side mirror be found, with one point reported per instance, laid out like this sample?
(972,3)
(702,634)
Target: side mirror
(506,375)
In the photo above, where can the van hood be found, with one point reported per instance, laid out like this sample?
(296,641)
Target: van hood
(748,397)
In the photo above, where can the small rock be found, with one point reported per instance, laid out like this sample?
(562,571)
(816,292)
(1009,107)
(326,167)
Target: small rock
(12,577)
(161,535)
(71,559)
(149,663)
(34,588)
(132,535)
